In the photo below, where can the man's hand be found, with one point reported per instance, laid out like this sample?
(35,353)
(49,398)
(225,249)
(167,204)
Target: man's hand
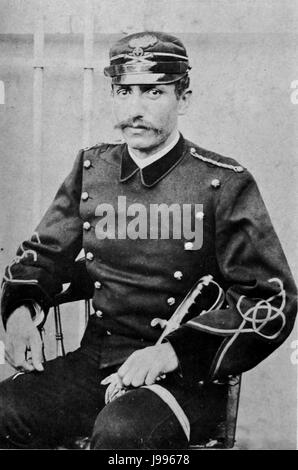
(22,336)
(143,367)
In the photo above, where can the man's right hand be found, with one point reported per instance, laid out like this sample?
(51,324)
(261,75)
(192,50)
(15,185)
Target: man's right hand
(22,337)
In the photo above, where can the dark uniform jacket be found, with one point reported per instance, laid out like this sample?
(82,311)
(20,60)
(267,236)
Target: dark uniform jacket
(136,280)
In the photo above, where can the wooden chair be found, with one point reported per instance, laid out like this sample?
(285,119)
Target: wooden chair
(81,288)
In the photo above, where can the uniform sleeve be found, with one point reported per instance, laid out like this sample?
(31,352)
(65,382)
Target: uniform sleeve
(261,299)
(45,261)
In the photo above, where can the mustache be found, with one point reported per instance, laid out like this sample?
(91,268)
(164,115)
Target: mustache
(136,123)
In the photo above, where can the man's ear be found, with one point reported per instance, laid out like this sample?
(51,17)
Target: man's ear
(184,102)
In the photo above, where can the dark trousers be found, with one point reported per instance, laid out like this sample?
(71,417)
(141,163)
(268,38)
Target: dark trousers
(44,410)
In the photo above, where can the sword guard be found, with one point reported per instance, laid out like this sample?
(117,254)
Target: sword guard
(206,279)
(159,322)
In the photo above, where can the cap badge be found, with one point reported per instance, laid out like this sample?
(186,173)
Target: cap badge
(140,43)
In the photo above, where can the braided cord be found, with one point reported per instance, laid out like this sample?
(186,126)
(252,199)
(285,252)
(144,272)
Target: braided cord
(236,168)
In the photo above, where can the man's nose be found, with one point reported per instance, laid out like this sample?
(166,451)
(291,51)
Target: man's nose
(136,105)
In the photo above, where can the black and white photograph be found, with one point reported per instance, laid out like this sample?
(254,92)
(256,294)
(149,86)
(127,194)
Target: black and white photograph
(149,227)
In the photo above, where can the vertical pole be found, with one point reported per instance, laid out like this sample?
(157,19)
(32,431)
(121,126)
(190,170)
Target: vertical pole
(37,116)
(88,73)
(87,113)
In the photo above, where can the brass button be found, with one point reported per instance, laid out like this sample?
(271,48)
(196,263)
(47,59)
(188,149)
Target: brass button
(87,164)
(215,183)
(239,169)
(178,275)
(99,313)
(188,246)
(85,196)
(86,226)
(97,285)
(171,301)
(90,256)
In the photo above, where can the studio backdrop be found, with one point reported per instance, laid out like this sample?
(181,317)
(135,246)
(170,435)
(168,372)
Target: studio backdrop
(54,100)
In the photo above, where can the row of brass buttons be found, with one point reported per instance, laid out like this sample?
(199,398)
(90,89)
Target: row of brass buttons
(86,225)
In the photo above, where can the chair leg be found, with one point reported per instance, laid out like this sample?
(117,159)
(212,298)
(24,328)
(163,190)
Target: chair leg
(42,337)
(60,350)
(232,410)
(87,311)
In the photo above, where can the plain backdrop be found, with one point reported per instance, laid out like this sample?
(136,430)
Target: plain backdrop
(244,59)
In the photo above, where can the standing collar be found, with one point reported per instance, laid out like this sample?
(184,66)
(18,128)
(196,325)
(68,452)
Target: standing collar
(154,172)
(143,162)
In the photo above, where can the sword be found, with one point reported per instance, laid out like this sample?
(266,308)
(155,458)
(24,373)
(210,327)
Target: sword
(115,387)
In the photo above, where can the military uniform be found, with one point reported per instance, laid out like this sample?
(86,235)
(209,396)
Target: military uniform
(138,280)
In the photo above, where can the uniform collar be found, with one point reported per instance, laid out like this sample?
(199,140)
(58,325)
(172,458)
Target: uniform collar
(142,163)
(151,174)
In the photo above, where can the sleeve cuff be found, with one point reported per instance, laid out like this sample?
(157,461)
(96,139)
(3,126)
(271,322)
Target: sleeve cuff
(14,296)
(195,350)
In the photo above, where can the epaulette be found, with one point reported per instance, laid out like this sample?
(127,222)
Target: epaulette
(106,144)
(93,146)
(236,168)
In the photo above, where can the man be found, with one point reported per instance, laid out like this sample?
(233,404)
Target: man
(141,273)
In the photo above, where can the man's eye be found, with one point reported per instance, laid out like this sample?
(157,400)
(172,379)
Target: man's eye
(154,93)
(122,91)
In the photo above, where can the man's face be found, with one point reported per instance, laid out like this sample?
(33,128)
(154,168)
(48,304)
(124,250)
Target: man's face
(146,114)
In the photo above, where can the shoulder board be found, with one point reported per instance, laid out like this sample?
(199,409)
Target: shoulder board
(106,144)
(236,168)
(93,146)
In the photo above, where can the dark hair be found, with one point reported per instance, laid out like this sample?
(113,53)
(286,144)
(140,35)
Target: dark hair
(181,85)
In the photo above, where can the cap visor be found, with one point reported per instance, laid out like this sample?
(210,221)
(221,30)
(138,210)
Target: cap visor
(146,78)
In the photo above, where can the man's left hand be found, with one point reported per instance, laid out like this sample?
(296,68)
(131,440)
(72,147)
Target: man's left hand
(143,367)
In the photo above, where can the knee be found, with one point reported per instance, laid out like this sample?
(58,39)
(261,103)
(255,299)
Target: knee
(126,424)
(7,421)
(116,428)
(114,433)
(4,425)
(13,430)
